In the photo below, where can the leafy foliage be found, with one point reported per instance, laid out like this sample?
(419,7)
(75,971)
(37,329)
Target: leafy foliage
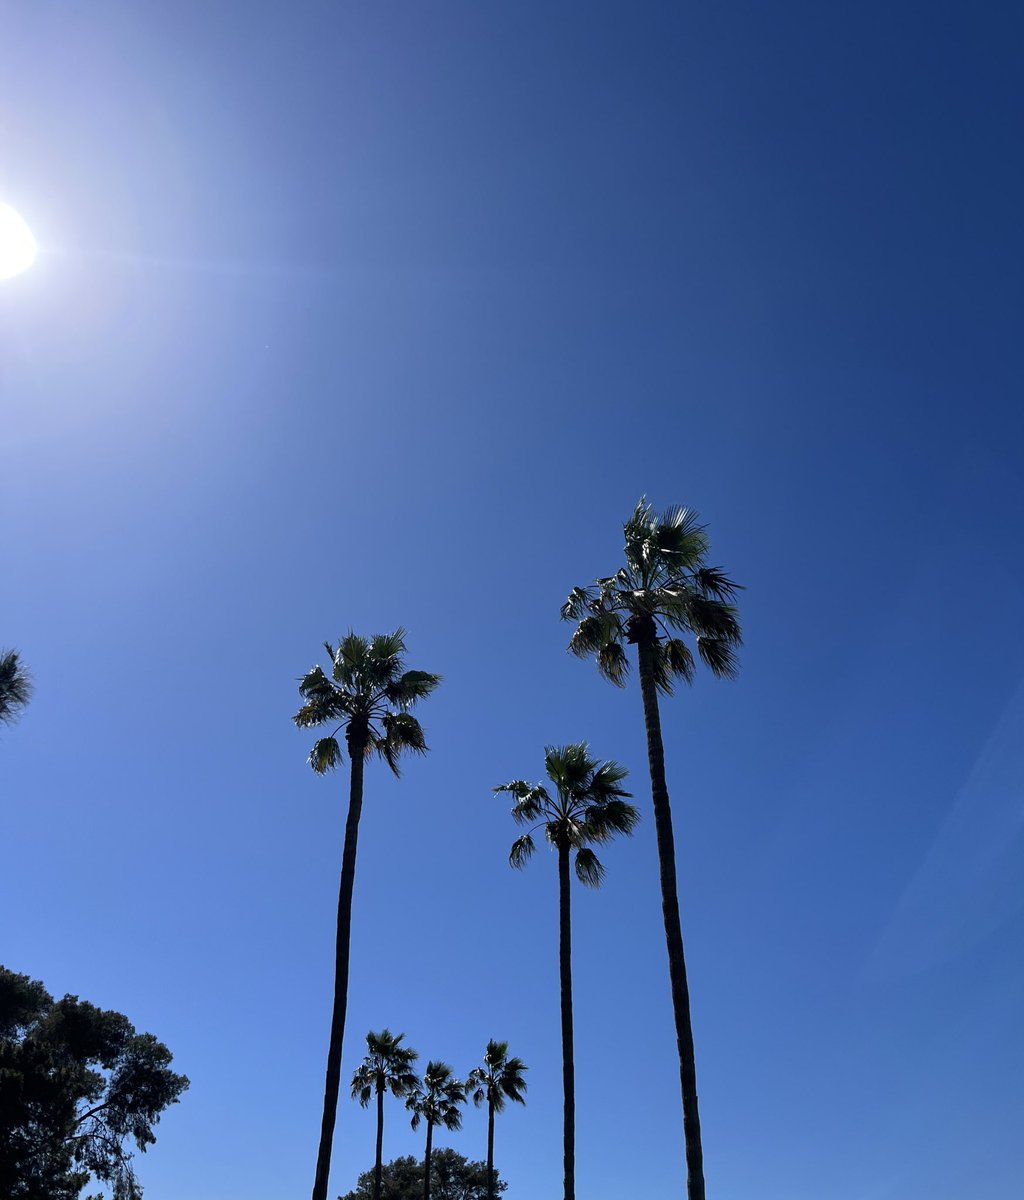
(453,1177)
(500,1078)
(368,694)
(15,687)
(388,1066)
(588,808)
(666,587)
(438,1097)
(76,1084)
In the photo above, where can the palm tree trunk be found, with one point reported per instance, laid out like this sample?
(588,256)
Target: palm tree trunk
(426,1161)
(568,1067)
(348,874)
(673,931)
(490,1149)
(379,1164)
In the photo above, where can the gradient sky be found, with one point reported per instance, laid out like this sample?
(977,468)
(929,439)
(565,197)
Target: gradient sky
(357,315)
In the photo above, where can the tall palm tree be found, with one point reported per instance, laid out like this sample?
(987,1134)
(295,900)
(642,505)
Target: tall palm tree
(665,588)
(499,1079)
(437,1101)
(588,808)
(15,687)
(387,1066)
(367,696)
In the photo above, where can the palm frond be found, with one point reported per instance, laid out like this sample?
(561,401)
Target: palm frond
(315,683)
(350,659)
(569,767)
(410,687)
(589,870)
(678,537)
(604,784)
(522,850)
(713,581)
(325,755)
(713,618)
(387,646)
(720,655)
(637,532)
(614,817)
(402,732)
(587,638)
(531,807)
(15,686)
(580,601)
(678,659)
(613,663)
(518,788)
(663,679)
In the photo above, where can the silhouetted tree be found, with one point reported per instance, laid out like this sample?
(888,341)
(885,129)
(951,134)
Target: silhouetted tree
(386,1067)
(437,1100)
(77,1083)
(500,1078)
(454,1178)
(665,587)
(368,696)
(588,807)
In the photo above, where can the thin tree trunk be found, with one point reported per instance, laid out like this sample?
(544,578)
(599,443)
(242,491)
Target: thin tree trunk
(348,874)
(568,1067)
(673,931)
(378,1165)
(426,1161)
(490,1149)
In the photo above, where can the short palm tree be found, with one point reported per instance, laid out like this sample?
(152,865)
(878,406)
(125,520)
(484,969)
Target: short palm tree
(588,807)
(15,687)
(367,696)
(386,1067)
(437,1101)
(664,589)
(499,1079)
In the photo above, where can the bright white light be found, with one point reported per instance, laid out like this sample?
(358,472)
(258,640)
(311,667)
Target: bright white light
(17,245)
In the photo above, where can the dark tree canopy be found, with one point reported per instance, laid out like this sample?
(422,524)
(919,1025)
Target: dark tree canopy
(453,1177)
(77,1084)
(15,687)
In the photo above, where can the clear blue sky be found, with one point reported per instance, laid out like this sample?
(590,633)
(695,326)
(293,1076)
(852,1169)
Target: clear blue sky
(368,314)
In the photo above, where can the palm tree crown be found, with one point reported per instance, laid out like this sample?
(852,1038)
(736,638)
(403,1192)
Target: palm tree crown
(499,1079)
(388,1066)
(438,1098)
(368,695)
(588,808)
(15,687)
(666,586)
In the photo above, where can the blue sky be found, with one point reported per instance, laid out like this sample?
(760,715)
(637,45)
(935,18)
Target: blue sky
(364,315)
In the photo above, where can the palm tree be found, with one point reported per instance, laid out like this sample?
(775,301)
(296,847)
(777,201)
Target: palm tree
(499,1079)
(665,587)
(387,1065)
(437,1101)
(15,687)
(368,695)
(588,808)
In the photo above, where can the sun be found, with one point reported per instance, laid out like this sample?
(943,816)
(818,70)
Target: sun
(17,245)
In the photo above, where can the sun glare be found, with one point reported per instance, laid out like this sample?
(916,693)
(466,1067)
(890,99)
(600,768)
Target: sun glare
(17,245)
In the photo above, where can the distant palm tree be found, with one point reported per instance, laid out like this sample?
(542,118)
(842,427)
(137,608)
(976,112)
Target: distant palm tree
(499,1078)
(664,587)
(15,687)
(437,1101)
(588,808)
(368,695)
(387,1065)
